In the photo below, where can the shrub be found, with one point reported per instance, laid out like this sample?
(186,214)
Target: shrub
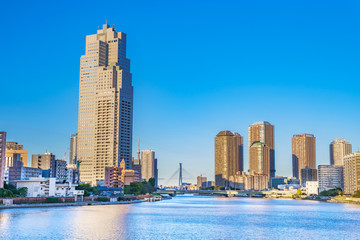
(121,199)
(52,200)
(6,193)
(102,199)
(332,192)
(357,194)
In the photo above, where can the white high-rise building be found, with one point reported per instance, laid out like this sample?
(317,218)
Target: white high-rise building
(330,177)
(105,105)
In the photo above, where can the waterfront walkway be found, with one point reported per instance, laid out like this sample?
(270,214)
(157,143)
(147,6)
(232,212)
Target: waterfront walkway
(90,203)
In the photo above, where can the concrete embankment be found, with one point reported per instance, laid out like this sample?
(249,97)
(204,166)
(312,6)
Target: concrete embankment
(345,200)
(43,205)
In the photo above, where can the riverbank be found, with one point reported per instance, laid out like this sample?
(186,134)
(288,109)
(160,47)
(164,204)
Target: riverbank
(343,199)
(92,203)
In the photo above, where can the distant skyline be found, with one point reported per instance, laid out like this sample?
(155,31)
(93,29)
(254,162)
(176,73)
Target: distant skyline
(198,68)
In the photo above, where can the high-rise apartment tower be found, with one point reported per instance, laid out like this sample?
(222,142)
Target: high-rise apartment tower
(2,158)
(303,153)
(338,149)
(105,105)
(261,141)
(73,148)
(228,156)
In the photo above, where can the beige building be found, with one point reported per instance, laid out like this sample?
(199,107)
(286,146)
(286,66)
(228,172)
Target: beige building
(105,105)
(43,161)
(228,156)
(252,181)
(73,148)
(262,133)
(259,158)
(303,153)
(200,179)
(352,173)
(338,149)
(148,163)
(14,147)
(2,158)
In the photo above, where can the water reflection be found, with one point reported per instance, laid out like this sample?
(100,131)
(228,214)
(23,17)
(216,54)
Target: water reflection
(187,218)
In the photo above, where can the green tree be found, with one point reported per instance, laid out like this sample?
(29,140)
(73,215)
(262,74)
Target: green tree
(152,182)
(332,192)
(147,187)
(135,188)
(298,192)
(88,189)
(219,188)
(22,192)
(357,194)
(6,193)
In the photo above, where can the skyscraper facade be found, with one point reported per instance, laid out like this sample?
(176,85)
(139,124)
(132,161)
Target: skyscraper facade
(148,165)
(338,149)
(352,173)
(105,105)
(262,135)
(228,156)
(73,148)
(2,157)
(303,153)
(259,161)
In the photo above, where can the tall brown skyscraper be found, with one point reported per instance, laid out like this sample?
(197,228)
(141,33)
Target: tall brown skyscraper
(338,149)
(2,158)
(105,105)
(303,153)
(228,156)
(262,148)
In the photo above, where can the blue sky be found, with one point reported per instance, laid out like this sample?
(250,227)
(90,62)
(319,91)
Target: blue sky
(198,67)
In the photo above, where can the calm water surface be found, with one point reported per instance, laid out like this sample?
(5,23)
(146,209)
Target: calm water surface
(187,217)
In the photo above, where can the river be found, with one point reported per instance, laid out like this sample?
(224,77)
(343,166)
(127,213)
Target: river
(187,217)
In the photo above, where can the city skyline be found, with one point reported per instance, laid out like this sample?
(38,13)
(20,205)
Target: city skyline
(258,66)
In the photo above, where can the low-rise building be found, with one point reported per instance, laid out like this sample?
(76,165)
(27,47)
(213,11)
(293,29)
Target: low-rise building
(119,176)
(291,186)
(308,174)
(276,181)
(47,187)
(19,172)
(207,184)
(330,177)
(312,188)
(252,181)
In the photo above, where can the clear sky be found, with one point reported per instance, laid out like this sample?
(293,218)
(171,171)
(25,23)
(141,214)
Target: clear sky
(198,67)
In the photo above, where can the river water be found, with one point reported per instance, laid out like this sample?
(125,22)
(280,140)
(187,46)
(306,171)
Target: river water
(187,217)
